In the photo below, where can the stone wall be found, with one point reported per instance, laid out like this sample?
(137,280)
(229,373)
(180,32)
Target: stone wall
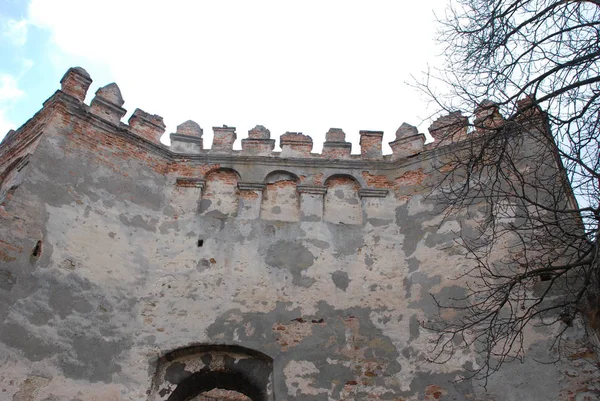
(134,271)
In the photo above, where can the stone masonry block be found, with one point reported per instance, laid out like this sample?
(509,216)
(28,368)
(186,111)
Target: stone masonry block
(370,144)
(108,103)
(76,83)
(146,125)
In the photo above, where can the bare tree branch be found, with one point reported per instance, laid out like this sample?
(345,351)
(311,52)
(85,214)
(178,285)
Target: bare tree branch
(531,180)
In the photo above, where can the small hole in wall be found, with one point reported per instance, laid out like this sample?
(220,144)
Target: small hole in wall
(200,243)
(37,250)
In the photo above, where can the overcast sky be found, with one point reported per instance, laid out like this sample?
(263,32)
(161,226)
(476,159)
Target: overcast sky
(290,66)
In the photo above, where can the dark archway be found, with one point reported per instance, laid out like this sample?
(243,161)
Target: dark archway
(187,373)
(203,381)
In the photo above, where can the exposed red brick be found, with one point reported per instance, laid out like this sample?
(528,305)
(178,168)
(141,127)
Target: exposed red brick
(225,176)
(335,153)
(448,167)
(76,83)
(223,138)
(434,392)
(108,149)
(452,127)
(341,180)
(11,247)
(281,184)
(377,181)
(370,144)
(415,177)
(248,195)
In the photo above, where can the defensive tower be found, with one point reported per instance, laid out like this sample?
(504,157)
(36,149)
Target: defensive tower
(130,270)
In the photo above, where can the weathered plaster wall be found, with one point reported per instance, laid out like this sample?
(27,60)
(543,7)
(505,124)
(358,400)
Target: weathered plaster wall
(145,252)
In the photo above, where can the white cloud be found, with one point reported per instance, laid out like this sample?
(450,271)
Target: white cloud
(5,124)
(15,31)
(290,66)
(9,93)
(27,64)
(8,89)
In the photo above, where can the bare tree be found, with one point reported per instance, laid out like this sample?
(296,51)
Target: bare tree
(532,179)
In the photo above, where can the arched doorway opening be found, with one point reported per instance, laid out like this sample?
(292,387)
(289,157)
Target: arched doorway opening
(213,373)
(204,385)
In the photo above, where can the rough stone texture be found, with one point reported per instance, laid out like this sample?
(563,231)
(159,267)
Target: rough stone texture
(280,199)
(132,272)
(220,198)
(342,203)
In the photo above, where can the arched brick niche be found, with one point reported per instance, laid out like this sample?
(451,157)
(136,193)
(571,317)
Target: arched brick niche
(213,372)
(280,198)
(342,203)
(220,196)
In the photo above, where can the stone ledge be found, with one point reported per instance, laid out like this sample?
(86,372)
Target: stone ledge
(251,186)
(312,189)
(186,138)
(106,103)
(373,193)
(331,144)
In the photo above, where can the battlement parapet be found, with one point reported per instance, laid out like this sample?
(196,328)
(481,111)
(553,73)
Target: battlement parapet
(259,142)
(146,125)
(295,144)
(76,83)
(370,144)
(190,128)
(188,138)
(408,142)
(487,116)
(108,102)
(223,139)
(530,114)
(335,145)
(450,128)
